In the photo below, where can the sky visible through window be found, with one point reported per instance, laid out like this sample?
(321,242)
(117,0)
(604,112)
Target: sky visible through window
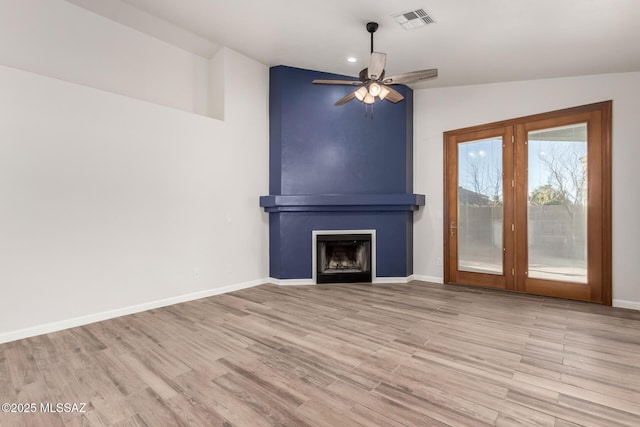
(551,162)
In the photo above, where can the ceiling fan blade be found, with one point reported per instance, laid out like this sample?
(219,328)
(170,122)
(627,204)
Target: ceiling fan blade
(338,82)
(411,77)
(345,99)
(393,95)
(376,65)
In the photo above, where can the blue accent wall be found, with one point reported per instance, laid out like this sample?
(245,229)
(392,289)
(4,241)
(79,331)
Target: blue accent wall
(337,167)
(319,148)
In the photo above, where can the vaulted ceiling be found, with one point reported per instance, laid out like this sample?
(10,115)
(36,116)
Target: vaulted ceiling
(470,42)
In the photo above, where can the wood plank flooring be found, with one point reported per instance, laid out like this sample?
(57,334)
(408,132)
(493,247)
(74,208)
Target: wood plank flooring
(338,355)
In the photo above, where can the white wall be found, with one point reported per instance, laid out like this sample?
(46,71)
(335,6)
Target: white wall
(443,109)
(215,102)
(58,39)
(109,203)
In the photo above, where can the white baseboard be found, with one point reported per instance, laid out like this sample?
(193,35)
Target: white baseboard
(307,282)
(632,305)
(432,279)
(291,282)
(110,314)
(393,279)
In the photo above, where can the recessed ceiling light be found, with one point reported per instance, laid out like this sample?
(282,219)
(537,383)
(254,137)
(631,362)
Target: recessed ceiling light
(352,59)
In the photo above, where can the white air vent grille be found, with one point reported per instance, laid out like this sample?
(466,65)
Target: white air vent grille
(413,19)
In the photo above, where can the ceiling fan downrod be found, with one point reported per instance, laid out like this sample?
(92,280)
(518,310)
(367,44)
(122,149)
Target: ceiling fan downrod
(372,27)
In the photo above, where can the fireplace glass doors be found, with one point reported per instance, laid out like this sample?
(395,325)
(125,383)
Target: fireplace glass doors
(343,258)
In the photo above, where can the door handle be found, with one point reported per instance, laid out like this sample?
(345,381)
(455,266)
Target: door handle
(452,228)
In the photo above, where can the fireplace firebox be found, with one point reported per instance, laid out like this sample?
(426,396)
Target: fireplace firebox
(343,258)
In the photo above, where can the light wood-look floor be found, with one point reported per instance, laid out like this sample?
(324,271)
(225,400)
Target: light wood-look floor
(339,355)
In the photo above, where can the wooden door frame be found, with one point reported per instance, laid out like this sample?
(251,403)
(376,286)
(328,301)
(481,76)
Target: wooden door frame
(605,182)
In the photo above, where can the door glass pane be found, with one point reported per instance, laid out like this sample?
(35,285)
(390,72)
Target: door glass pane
(480,206)
(557,211)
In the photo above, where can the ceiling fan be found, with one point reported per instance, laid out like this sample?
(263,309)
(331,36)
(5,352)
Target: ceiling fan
(373,82)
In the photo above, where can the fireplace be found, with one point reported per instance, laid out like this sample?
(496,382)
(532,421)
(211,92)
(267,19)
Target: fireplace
(343,257)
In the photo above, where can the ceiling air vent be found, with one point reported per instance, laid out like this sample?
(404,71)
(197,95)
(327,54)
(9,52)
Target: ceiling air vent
(413,19)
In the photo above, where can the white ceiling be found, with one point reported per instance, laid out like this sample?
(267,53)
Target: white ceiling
(471,42)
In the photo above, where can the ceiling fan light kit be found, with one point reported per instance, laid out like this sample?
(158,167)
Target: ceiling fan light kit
(374,89)
(361,93)
(372,80)
(384,91)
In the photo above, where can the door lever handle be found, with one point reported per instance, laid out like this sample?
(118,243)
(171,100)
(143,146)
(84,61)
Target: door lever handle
(453,228)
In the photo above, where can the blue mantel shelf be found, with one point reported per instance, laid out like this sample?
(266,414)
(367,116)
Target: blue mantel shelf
(342,202)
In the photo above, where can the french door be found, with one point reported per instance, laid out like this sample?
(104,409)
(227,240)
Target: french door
(528,204)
